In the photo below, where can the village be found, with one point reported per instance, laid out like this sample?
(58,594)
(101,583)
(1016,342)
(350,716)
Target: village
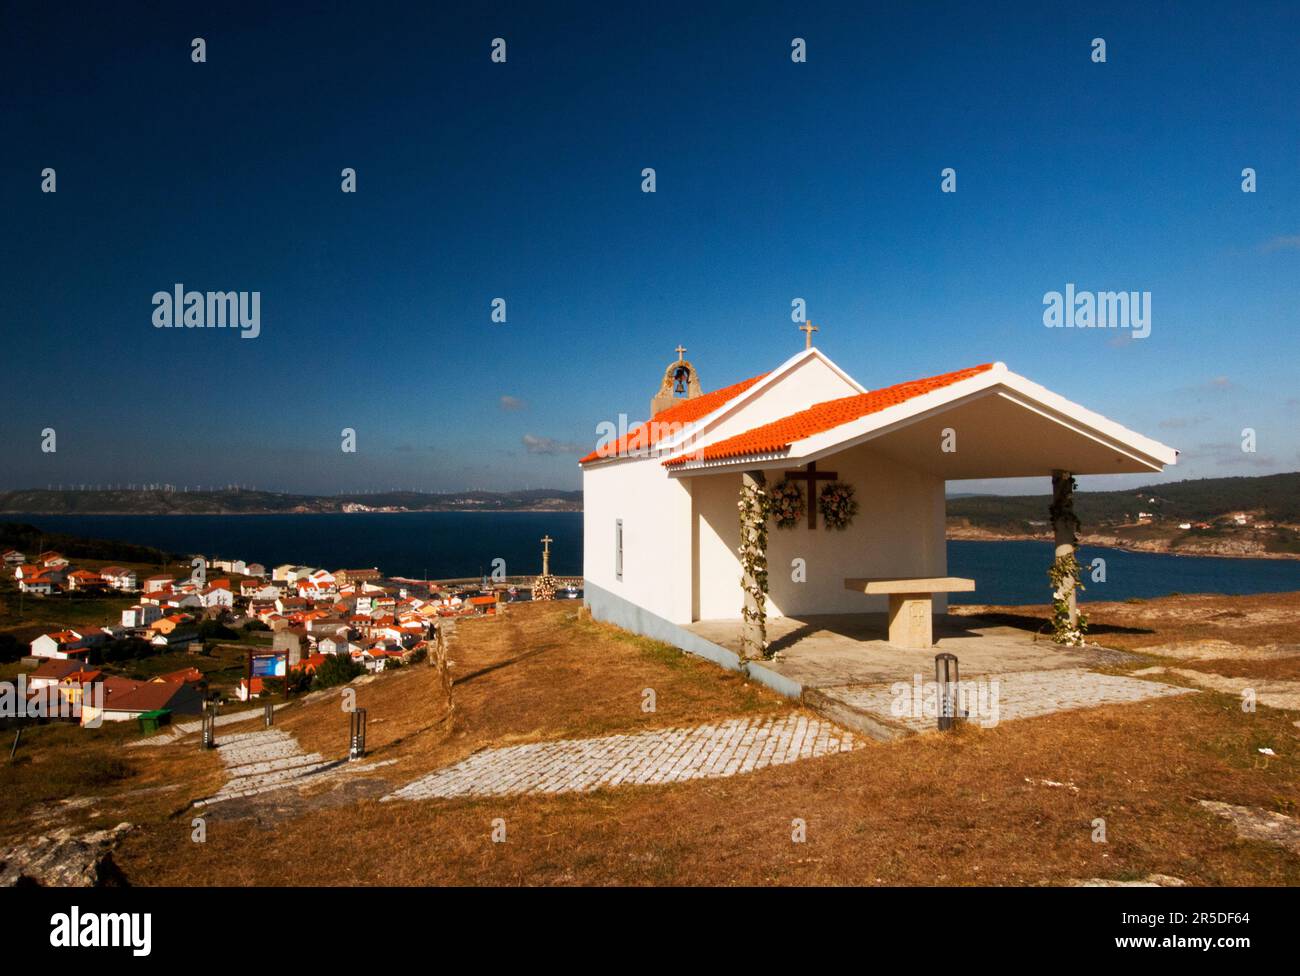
(288,628)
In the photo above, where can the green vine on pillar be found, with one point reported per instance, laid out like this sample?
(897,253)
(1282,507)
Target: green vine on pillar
(753,561)
(1069,624)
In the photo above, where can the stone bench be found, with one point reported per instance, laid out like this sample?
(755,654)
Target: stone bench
(911,623)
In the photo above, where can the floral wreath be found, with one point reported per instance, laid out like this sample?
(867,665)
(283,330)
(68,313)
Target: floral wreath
(837,505)
(786,504)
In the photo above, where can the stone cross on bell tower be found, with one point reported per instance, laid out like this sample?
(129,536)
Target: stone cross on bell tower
(680,383)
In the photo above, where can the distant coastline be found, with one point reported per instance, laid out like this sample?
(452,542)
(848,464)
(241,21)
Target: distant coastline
(169,501)
(1235,518)
(5,514)
(1165,547)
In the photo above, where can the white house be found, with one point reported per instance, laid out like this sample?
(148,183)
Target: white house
(26,572)
(177,600)
(84,579)
(40,585)
(289,573)
(119,578)
(258,590)
(661,525)
(66,643)
(141,615)
(51,672)
(217,596)
(174,638)
(336,645)
(126,700)
(316,589)
(12,557)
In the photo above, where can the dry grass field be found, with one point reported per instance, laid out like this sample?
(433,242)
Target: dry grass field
(1013,804)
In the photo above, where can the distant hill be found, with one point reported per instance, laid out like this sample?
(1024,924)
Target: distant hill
(1275,497)
(30,540)
(239,502)
(1111,518)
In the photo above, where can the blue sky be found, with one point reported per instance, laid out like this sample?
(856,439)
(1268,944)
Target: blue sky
(522,180)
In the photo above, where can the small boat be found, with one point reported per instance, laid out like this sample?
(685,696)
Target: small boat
(571,592)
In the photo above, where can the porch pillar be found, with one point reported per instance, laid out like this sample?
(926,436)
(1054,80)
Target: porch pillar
(1065,525)
(753,564)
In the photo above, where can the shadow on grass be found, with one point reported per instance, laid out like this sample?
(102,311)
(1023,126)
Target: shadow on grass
(1035,624)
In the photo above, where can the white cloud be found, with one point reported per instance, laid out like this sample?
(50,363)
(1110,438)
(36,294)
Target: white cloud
(549,445)
(1283,242)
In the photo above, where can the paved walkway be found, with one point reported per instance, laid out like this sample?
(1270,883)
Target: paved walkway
(1020,694)
(1274,692)
(260,762)
(660,756)
(181,729)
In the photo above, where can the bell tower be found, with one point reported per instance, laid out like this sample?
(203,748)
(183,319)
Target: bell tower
(680,383)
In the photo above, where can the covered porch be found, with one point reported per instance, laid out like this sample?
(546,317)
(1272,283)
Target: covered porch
(893,451)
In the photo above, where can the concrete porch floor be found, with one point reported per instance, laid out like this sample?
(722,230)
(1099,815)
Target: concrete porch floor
(843,668)
(828,650)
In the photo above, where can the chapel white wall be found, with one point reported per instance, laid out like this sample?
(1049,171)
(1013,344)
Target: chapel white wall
(656,514)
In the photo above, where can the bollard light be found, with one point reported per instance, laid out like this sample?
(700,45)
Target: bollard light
(209,726)
(947,680)
(357,734)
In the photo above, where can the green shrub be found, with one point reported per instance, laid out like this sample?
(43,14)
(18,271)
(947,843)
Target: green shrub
(337,669)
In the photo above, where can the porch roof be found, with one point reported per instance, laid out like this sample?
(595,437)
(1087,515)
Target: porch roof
(1003,425)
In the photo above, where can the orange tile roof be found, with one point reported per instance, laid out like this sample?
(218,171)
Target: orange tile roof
(54,668)
(310,663)
(121,694)
(644,435)
(780,434)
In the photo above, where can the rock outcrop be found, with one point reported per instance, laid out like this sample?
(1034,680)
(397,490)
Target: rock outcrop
(62,859)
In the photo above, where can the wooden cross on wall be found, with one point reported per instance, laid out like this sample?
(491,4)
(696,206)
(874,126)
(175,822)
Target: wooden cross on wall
(811,476)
